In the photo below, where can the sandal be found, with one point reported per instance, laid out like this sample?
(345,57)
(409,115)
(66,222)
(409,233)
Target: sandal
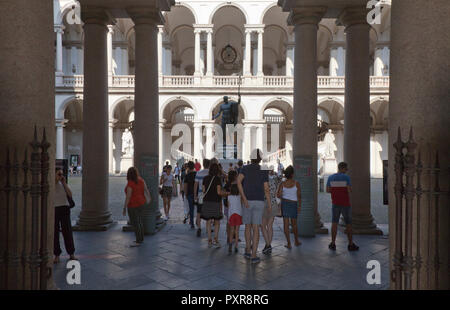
(332,246)
(353,247)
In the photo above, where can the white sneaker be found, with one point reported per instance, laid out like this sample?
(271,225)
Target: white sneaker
(135,244)
(216,244)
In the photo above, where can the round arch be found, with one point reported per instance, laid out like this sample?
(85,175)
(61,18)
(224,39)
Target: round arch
(112,108)
(190,8)
(63,106)
(266,105)
(64,10)
(322,100)
(178,28)
(234,4)
(177,98)
(267,9)
(230,26)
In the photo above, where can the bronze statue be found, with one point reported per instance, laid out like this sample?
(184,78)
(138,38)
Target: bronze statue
(230,112)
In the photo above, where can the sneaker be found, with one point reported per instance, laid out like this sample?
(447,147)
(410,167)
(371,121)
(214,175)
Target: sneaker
(185,220)
(216,244)
(265,249)
(332,246)
(353,247)
(256,260)
(247,255)
(135,244)
(199,232)
(269,249)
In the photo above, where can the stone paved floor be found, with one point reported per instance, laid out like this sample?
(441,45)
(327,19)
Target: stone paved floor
(117,196)
(176,259)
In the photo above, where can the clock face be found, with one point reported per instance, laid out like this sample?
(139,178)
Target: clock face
(229,54)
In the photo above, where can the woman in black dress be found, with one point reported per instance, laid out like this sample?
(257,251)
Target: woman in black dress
(212,203)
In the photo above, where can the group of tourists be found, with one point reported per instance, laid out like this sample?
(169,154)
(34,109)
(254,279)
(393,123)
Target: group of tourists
(244,195)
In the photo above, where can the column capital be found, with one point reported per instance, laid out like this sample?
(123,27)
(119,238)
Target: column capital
(145,16)
(337,44)
(112,122)
(96,15)
(59,28)
(355,15)
(161,29)
(306,15)
(110,29)
(61,122)
(382,44)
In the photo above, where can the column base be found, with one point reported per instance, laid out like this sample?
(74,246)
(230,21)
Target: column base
(365,225)
(100,227)
(318,226)
(93,222)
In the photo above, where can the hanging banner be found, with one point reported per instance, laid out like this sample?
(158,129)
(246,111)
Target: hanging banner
(148,169)
(305,175)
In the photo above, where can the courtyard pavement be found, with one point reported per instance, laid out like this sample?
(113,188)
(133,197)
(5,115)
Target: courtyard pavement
(175,258)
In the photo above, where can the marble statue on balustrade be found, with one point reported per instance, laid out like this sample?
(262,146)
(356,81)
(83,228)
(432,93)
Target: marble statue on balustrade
(330,146)
(328,155)
(127,143)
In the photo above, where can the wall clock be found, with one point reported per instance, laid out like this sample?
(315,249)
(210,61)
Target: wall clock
(229,54)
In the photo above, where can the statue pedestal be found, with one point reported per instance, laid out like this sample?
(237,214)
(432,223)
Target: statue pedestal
(329,166)
(229,152)
(126,162)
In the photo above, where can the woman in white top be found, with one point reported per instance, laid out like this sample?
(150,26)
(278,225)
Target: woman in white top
(168,182)
(289,193)
(62,217)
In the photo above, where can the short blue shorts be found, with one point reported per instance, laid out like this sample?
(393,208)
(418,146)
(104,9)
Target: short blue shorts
(346,212)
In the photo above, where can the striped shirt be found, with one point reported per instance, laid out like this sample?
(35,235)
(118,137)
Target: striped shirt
(338,183)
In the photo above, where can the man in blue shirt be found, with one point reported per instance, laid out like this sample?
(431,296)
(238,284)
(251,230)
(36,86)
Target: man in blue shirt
(339,186)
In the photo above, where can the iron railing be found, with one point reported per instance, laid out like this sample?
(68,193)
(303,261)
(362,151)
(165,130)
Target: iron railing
(24,247)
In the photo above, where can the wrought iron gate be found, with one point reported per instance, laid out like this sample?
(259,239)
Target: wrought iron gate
(24,247)
(413,234)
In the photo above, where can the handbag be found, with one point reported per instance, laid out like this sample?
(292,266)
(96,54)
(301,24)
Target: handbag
(69,199)
(200,197)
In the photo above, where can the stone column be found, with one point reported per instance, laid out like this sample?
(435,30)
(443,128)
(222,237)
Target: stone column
(254,46)
(109,53)
(197,33)
(60,124)
(198,141)
(247,142)
(111,123)
(357,117)
(27,88)
(95,214)
(59,29)
(161,144)
(209,61)
(146,104)
(290,59)
(209,141)
(248,52)
(306,22)
(260,52)
(160,49)
(420,101)
(259,137)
